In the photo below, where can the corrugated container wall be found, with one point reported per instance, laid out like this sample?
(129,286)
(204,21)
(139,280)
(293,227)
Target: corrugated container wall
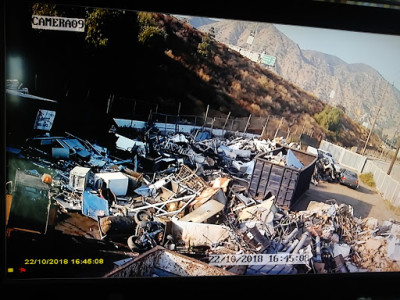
(287,184)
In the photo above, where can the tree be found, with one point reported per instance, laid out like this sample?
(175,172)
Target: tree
(206,46)
(149,33)
(44,9)
(97,21)
(330,118)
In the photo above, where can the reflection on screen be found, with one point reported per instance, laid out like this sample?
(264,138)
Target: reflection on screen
(145,144)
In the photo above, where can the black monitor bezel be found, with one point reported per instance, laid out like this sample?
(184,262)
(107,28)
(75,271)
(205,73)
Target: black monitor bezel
(333,15)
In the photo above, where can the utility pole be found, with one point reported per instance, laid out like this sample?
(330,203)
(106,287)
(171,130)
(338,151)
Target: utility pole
(394,157)
(376,117)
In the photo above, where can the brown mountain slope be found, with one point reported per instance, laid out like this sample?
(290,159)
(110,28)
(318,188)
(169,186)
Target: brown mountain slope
(249,85)
(197,70)
(356,87)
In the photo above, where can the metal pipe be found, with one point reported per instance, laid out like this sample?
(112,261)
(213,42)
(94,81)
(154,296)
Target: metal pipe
(290,236)
(292,246)
(304,236)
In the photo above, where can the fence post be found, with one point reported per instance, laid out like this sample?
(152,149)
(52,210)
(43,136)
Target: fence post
(134,108)
(109,104)
(226,121)
(247,125)
(265,126)
(205,118)
(287,136)
(279,127)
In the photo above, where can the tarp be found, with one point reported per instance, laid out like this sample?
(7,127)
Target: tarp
(203,135)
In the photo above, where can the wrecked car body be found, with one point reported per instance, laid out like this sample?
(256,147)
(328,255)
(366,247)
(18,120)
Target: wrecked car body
(327,168)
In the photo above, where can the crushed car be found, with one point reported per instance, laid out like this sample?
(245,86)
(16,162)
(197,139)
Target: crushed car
(327,168)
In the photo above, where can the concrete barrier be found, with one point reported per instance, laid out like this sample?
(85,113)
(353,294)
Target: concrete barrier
(385,184)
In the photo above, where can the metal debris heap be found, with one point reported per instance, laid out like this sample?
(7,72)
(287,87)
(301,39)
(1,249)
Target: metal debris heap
(199,196)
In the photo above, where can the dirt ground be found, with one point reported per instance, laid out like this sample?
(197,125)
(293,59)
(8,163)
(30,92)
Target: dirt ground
(365,201)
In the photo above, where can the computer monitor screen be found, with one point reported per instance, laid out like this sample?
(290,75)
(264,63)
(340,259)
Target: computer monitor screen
(154,143)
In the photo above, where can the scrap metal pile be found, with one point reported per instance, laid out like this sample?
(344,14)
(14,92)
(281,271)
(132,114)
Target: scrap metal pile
(189,193)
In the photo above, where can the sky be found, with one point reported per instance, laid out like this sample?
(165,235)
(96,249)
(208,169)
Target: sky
(382,52)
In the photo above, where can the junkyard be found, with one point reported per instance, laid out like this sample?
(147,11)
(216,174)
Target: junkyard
(195,202)
(143,147)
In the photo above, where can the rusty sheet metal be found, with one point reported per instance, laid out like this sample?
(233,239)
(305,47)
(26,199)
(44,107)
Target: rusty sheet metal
(162,261)
(76,224)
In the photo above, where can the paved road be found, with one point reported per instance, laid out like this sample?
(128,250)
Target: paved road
(365,202)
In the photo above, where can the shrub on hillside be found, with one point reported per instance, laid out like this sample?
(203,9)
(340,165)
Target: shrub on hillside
(329,118)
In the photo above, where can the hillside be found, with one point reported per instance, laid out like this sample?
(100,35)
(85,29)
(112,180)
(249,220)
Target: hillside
(243,86)
(159,62)
(356,87)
